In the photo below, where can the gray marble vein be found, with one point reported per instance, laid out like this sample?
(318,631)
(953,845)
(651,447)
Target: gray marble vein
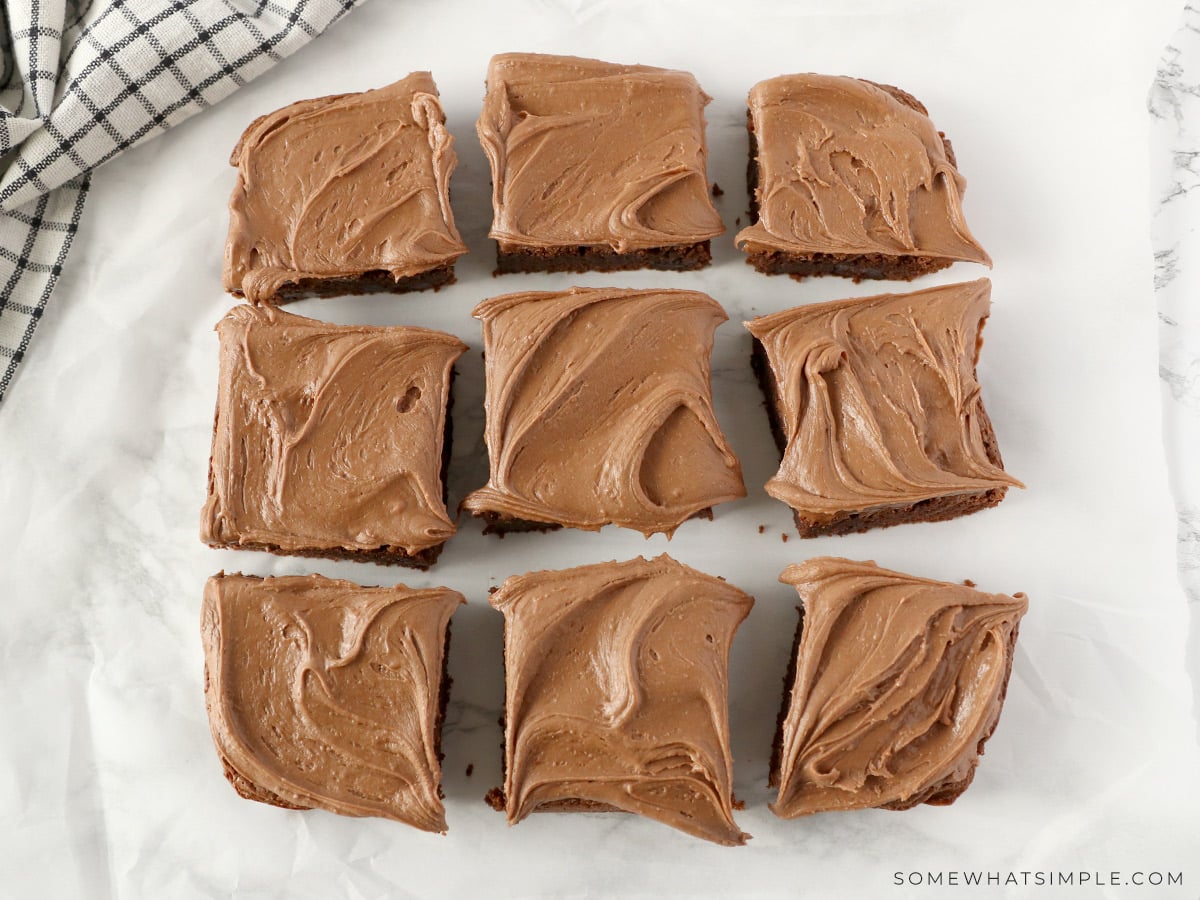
(1174,106)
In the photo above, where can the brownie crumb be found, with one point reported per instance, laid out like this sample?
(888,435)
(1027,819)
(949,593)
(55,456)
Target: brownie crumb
(495,799)
(762,528)
(493,588)
(784,536)
(470,769)
(968,582)
(716,190)
(738,222)
(738,804)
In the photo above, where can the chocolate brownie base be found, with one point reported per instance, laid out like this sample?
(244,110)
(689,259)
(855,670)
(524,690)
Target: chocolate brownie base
(935,509)
(512,258)
(377,281)
(248,789)
(443,699)
(496,800)
(867,266)
(859,267)
(941,794)
(500,524)
(384,556)
(789,680)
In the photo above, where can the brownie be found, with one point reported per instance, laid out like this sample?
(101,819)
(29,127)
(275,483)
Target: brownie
(616,694)
(324,694)
(596,166)
(330,440)
(849,177)
(599,411)
(876,409)
(347,194)
(895,685)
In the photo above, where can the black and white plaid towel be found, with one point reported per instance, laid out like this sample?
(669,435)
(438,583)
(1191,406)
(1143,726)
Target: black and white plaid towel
(82,80)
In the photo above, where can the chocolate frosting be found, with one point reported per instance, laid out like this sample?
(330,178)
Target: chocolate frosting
(599,409)
(589,153)
(328,436)
(617,692)
(339,186)
(323,694)
(851,167)
(899,680)
(880,399)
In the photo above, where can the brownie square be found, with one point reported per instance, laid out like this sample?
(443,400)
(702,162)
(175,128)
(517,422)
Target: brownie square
(325,695)
(876,409)
(599,411)
(895,685)
(849,177)
(330,440)
(616,694)
(596,166)
(344,195)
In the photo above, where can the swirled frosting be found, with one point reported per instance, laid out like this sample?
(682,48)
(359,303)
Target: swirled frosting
(328,436)
(323,694)
(339,186)
(879,400)
(899,681)
(847,166)
(599,409)
(589,153)
(616,693)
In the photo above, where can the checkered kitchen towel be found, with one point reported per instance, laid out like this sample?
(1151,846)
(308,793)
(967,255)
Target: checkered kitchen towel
(82,80)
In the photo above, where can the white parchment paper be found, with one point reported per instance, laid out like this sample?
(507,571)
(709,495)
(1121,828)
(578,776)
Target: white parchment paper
(109,785)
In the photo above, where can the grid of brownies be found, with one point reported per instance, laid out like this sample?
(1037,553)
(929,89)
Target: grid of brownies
(334,441)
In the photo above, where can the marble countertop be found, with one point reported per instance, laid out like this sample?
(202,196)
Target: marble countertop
(109,785)
(1175,141)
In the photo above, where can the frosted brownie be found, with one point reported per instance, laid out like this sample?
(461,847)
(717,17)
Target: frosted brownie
(596,165)
(330,440)
(323,694)
(599,411)
(344,195)
(616,694)
(848,177)
(876,409)
(895,685)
